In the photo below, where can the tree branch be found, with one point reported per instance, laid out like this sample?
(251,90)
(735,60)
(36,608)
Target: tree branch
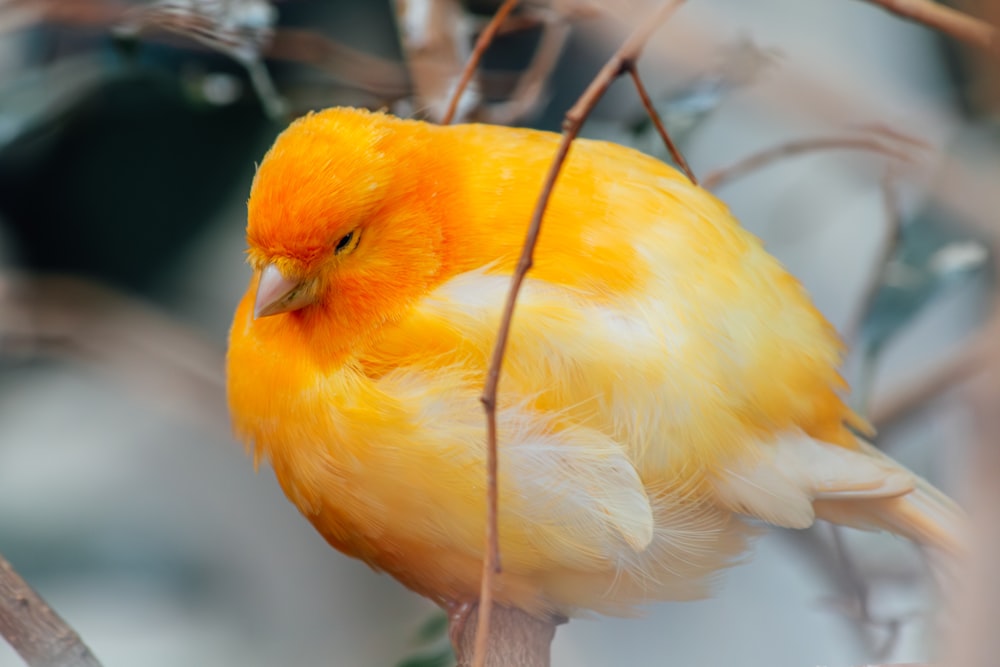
(947,20)
(37,633)
(675,152)
(719,177)
(530,87)
(482,43)
(516,639)
(434,36)
(619,63)
(893,235)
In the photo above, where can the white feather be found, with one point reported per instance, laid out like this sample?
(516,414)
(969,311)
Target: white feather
(780,481)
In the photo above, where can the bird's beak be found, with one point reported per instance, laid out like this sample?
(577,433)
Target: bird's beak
(279,294)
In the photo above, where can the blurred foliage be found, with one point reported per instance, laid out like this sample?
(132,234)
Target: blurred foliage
(170,156)
(434,628)
(442,658)
(931,257)
(433,647)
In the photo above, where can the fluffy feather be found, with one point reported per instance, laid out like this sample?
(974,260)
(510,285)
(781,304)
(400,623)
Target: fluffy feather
(665,376)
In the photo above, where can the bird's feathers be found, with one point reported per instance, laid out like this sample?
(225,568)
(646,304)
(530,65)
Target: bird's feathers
(781,484)
(664,375)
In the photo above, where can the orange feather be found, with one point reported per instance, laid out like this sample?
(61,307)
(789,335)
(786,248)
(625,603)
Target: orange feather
(666,378)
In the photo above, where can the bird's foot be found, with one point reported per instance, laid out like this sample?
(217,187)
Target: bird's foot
(458,616)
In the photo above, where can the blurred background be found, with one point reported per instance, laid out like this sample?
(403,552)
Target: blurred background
(128,137)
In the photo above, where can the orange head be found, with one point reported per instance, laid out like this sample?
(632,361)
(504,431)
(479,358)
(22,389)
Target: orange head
(342,224)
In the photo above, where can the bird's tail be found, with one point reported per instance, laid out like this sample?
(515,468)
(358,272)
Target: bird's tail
(925,514)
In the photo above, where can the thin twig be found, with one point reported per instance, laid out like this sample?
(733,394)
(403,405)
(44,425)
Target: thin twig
(675,152)
(892,625)
(889,132)
(575,117)
(860,587)
(435,40)
(23,15)
(37,633)
(870,356)
(719,177)
(531,82)
(974,639)
(482,43)
(894,229)
(857,583)
(372,74)
(944,19)
(235,29)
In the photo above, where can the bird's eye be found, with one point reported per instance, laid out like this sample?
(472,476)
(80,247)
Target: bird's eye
(347,242)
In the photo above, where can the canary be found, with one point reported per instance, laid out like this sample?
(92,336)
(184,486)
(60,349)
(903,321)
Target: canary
(667,384)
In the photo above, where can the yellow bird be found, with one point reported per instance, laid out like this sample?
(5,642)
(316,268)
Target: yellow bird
(666,379)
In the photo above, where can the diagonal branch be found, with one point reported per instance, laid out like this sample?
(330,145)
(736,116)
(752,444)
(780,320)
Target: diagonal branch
(434,37)
(675,152)
(482,43)
(528,94)
(944,19)
(37,633)
(719,177)
(894,230)
(619,63)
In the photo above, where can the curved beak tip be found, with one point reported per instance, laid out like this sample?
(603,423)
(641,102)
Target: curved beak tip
(278,294)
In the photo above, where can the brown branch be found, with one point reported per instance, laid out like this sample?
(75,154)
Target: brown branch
(859,587)
(861,591)
(482,43)
(675,152)
(517,639)
(869,361)
(534,15)
(37,633)
(358,69)
(531,82)
(974,639)
(87,13)
(719,177)
(227,32)
(388,81)
(944,19)
(894,229)
(434,50)
(893,134)
(619,63)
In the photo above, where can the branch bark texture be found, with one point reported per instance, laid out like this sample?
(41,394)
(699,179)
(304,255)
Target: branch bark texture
(37,633)
(516,639)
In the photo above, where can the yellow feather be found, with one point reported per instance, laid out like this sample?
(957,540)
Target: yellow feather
(664,374)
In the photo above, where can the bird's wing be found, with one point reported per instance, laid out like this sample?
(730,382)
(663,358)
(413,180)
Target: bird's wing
(571,491)
(683,373)
(783,481)
(569,494)
(613,367)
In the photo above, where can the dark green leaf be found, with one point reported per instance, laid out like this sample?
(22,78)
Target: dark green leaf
(442,658)
(433,628)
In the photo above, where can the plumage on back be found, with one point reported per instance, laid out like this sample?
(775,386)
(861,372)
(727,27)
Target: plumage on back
(665,375)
